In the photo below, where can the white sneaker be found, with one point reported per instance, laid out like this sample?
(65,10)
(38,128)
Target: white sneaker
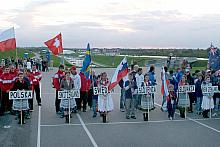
(214,114)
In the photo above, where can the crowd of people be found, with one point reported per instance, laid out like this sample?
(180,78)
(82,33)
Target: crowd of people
(204,102)
(17,77)
(21,77)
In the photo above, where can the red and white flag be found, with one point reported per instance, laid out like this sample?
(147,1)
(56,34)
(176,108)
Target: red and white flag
(7,40)
(120,72)
(55,44)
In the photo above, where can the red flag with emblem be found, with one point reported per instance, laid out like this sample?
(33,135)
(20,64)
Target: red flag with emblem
(55,44)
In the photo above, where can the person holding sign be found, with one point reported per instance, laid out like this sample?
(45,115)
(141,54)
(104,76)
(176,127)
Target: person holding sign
(130,88)
(183,100)
(20,84)
(171,102)
(67,84)
(207,101)
(105,102)
(147,99)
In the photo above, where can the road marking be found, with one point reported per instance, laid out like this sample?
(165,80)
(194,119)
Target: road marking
(87,131)
(196,121)
(60,125)
(126,122)
(204,125)
(38,128)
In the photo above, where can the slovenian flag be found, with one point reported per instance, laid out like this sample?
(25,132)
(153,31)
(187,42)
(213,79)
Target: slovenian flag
(86,63)
(7,40)
(120,72)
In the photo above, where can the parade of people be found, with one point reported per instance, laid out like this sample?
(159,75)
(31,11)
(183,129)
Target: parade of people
(109,73)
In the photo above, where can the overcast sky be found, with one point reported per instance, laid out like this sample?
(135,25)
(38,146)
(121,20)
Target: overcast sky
(114,23)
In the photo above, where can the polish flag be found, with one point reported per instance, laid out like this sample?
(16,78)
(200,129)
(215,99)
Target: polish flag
(7,40)
(55,44)
(120,72)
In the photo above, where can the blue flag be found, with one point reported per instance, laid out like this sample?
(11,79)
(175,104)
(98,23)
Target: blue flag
(86,63)
(214,62)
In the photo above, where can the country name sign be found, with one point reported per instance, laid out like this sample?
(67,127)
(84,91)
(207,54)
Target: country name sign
(102,90)
(186,88)
(146,89)
(67,94)
(210,89)
(20,94)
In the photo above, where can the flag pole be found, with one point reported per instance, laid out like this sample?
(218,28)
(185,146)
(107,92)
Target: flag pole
(16,54)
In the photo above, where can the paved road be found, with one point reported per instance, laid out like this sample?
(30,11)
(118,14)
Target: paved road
(85,131)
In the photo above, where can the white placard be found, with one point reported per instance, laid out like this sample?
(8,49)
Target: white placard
(102,90)
(20,94)
(67,94)
(146,90)
(186,88)
(210,89)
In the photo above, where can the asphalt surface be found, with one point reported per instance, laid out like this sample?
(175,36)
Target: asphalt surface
(49,130)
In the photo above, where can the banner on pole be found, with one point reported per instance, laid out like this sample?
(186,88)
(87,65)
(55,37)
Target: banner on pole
(20,99)
(68,94)
(186,89)
(146,90)
(20,94)
(102,90)
(210,89)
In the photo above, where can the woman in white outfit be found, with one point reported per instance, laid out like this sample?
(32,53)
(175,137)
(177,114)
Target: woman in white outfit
(207,101)
(105,103)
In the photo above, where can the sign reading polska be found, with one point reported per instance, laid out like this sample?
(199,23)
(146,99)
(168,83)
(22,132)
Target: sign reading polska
(186,88)
(20,94)
(102,90)
(146,90)
(68,94)
(210,89)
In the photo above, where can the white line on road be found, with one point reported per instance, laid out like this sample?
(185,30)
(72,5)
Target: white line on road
(127,122)
(196,121)
(87,131)
(38,127)
(60,125)
(204,125)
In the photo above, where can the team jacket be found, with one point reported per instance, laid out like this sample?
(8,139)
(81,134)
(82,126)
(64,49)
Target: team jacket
(85,84)
(57,79)
(37,76)
(7,81)
(14,72)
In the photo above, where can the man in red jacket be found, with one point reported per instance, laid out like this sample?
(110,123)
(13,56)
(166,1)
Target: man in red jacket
(13,71)
(6,83)
(56,83)
(83,92)
(37,76)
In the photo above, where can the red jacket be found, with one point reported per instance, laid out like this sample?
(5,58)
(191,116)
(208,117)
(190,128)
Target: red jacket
(37,76)
(1,71)
(6,81)
(14,72)
(31,78)
(57,79)
(85,84)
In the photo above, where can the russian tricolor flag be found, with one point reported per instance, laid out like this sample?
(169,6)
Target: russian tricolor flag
(120,72)
(7,40)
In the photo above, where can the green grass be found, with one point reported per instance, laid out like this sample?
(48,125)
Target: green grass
(113,61)
(56,61)
(12,53)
